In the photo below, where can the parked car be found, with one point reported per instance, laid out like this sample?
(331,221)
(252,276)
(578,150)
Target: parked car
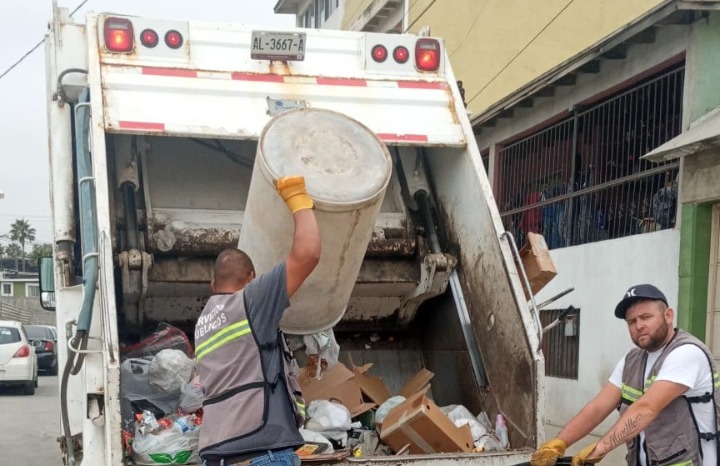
(44,339)
(18,362)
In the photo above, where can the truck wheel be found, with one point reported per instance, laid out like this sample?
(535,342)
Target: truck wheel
(35,382)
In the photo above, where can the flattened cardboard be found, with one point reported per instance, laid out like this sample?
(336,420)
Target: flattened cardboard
(337,383)
(371,385)
(538,263)
(419,423)
(419,382)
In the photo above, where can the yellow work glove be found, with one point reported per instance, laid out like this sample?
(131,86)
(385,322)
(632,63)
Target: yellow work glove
(292,189)
(548,453)
(582,457)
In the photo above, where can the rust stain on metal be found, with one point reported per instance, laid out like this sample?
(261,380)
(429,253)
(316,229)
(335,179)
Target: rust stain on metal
(391,247)
(280,67)
(198,242)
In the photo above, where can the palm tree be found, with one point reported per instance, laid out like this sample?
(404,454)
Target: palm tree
(14,251)
(22,231)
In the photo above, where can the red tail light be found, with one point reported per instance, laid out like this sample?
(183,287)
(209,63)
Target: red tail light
(173,39)
(118,34)
(23,352)
(48,346)
(427,54)
(401,54)
(379,53)
(149,38)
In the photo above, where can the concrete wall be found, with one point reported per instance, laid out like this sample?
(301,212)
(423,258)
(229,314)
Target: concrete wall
(601,272)
(701,177)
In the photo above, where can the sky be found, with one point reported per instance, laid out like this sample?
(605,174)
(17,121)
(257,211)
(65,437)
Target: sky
(24,174)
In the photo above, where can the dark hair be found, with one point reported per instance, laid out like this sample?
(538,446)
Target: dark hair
(232,266)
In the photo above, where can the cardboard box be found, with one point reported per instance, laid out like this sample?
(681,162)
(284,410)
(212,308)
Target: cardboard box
(375,389)
(538,263)
(337,383)
(419,424)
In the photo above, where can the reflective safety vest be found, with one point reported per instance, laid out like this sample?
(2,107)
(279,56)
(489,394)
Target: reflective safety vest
(252,399)
(673,438)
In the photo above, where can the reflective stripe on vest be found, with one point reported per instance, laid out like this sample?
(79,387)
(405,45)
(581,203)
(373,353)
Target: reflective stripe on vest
(222,338)
(630,394)
(301,407)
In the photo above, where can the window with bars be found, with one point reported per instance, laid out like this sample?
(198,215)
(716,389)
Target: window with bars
(561,344)
(582,180)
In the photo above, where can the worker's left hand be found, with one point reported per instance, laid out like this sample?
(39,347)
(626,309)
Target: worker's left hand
(586,456)
(292,189)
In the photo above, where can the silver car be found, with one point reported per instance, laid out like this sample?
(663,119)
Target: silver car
(18,362)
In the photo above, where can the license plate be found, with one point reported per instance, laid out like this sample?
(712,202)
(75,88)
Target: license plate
(286,46)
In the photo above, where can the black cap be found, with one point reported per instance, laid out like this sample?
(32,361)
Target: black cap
(638,293)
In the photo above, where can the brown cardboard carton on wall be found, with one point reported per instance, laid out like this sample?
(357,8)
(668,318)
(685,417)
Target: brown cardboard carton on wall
(419,423)
(537,262)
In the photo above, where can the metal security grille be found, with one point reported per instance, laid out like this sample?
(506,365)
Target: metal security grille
(561,344)
(582,180)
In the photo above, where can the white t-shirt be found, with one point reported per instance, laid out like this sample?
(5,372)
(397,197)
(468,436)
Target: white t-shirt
(686,365)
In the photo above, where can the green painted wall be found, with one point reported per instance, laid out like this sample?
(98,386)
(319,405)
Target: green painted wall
(703,63)
(695,238)
(19,290)
(702,96)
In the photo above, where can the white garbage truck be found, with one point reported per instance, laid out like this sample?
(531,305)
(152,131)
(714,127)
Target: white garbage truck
(154,131)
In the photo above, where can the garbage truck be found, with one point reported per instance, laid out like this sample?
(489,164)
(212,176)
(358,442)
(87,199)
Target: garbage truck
(154,134)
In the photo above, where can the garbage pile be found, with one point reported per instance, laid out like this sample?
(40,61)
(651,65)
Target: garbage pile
(350,411)
(161,399)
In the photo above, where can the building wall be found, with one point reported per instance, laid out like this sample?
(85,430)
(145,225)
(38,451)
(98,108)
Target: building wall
(671,42)
(602,271)
(600,278)
(497,46)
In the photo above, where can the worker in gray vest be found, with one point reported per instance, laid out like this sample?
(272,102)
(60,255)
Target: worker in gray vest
(666,390)
(252,409)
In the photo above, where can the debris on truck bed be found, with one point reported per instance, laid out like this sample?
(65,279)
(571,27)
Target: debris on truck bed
(380,424)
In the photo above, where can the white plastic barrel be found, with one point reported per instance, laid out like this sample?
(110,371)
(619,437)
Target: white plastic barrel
(347,170)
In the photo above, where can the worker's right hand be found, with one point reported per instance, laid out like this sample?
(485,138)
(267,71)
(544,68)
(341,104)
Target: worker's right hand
(548,453)
(292,189)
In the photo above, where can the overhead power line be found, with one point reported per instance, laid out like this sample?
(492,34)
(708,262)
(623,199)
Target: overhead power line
(539,33)
(27,54)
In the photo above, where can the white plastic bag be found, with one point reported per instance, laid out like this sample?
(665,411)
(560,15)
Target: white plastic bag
(324,345)
(192,396)
(385,408)
(135,387)
(461,416)
(169,446)
(170,370)
(332,420)
(314,437)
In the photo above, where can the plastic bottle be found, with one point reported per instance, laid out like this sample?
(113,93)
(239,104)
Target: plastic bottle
(184,424)
(501,431)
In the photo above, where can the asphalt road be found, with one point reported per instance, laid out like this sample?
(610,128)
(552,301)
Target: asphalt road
(30,425)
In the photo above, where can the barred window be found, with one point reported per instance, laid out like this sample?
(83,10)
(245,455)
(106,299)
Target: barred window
(581,179)
(561,344)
